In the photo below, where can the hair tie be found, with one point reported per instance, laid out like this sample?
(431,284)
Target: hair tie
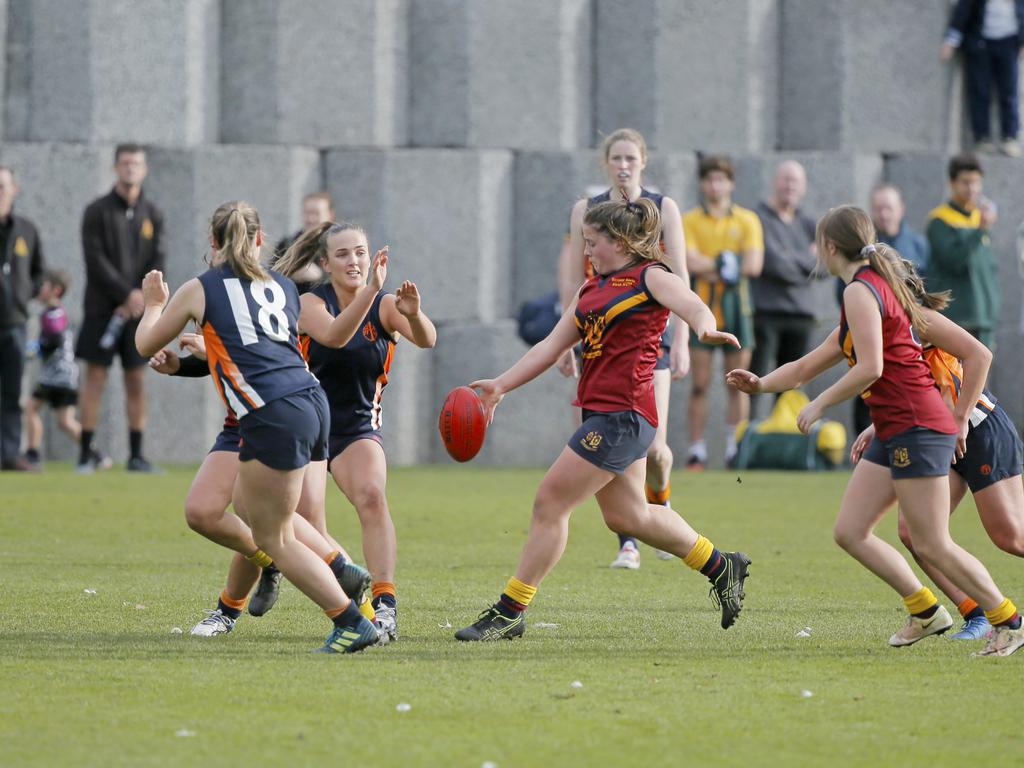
(868,249)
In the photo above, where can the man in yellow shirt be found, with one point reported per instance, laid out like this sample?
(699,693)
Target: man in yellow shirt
(724,249)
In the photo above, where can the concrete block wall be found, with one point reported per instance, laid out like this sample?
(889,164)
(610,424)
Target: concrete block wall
(460,132)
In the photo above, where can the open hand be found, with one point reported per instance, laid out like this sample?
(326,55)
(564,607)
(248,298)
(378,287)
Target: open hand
(719,338)
(379,269)
(744,381)
(808,415)
(407,299)
(861,444)
(165,361)
(490,395)
(154,290)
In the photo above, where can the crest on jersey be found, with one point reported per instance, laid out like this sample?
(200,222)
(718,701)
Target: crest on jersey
(986,469)
(591,441)
(147,230)
(370,332)
(593,331)
(20,247)
(901,458)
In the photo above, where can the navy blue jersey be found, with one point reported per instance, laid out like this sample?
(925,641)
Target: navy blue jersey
(251,339)
(605,196)
(354,376)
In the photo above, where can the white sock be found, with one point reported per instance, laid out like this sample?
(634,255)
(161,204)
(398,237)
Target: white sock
(699,451)
(730,441)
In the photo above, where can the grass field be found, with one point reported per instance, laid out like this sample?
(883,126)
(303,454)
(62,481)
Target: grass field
(100,679)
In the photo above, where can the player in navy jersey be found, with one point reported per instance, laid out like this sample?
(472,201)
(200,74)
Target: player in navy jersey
(619,316)
(206,511)
(917,436)
(248,318)
(624,155)
(352,327)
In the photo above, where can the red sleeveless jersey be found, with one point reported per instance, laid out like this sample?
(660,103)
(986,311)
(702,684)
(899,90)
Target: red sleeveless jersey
(905,395)
(621,325)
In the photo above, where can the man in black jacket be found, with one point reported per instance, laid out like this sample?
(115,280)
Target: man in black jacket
(122,239)
(21,274)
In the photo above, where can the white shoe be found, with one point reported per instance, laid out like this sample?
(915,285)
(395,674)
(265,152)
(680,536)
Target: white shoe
(216,623)
(1003,642)
(985,146)
(386,622)
(1010,148)
(917,629)
(662,555)
(628,557)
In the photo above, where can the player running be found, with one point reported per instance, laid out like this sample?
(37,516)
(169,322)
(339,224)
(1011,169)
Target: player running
(619,315)
(909,458)
(624,155)
(248,317)
(350,327)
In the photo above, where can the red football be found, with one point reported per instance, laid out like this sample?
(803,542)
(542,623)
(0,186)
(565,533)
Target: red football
(462,424)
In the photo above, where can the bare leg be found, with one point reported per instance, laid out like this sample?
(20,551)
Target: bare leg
(91,395)
(700,380)
(361,473)
(33,425)
(67,422)
(135,398)
(313,502)
(659,455)
(1001,509)
(206,506)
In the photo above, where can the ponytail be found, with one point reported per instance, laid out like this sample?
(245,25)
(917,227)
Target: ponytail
(637,225)
(234,228)
(852,233)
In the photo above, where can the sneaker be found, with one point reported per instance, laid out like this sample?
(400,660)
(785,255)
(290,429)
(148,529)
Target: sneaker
(493,625)
(1004,641)
(695,464)
(386,622)
(985,146)
(215,623)
(354,581)
(727,591)
(973,629)
(628,557)
(917,629)
(141,465)
(350,639)
(96,461)
(20,464)
(267,591)
(1010,147)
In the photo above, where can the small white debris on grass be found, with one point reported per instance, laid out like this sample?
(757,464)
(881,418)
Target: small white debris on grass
(184,732)
(89,591)
(806,694)
(545,625)
(575,684)
(489,764)
(447,624)
(403,707)
(175,630)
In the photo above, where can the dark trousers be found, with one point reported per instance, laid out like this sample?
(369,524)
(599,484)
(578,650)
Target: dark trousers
(988,62)
(12,367)
(779,339)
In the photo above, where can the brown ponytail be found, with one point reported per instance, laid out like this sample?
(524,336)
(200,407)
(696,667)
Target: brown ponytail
(637,225)
(311,247)
(234,227)
(852,233)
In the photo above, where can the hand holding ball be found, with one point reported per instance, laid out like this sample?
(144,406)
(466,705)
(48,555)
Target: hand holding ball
(462,424)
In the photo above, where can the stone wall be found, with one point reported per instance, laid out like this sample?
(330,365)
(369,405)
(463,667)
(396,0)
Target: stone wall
(460,132)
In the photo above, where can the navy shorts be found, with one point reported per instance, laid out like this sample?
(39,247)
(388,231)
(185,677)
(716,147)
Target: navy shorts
(338,443)
(287,433)
(994,452)
(227,440)
(918,452)
(612,441)
(55,397)
(88,345)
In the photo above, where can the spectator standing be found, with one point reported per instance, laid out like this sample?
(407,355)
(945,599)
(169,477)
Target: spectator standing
(724,249)
(784,309)
(317,209)
(21,274)
(990,34)
(122,240)
(961,251)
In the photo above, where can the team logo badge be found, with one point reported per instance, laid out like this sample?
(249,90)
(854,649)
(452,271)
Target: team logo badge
(20,247)
(591,441)
(986,469)
(147,230)
(623,282)
(369,332)
(900,458)
(593,331)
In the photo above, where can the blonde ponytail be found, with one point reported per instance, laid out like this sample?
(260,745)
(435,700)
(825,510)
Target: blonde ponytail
(234,228)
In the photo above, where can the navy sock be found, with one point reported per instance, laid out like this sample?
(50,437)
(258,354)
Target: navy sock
(337,566)
(227,610)
(715,566)
(1013,623)
(977,613)
(85,444)
(389,600)
(928,612)
(349,617)
(624,540)
(508,607)
(135,443)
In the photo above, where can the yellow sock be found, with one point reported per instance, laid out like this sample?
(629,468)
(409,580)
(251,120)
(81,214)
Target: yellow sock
(658,497)
(260,558)
(1001,613)
(700,554)
(920,601)
(520,592)
(366,608)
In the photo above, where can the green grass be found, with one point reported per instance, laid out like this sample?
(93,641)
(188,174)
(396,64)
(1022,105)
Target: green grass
(101,680)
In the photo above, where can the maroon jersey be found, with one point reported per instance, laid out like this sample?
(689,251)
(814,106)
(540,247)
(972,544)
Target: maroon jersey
(905,395)
(621,325)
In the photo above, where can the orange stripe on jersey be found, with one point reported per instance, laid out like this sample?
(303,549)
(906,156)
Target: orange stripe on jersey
(947,371)
(382,380)
(304,348)
(623,306)
(217,355)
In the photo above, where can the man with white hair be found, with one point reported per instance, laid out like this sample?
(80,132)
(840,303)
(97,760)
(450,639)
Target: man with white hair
(783,302)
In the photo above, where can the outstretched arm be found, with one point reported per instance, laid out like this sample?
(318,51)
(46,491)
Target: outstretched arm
(402,313)
(335,332)
(163,320)
(791,375)
(670,291)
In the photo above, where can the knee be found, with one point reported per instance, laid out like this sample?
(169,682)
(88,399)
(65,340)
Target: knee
(698,389)
(1010,541)
(201,518)
(618,523)
(548,508)
(847,538)
(370,501)
(661,455)
(933,549)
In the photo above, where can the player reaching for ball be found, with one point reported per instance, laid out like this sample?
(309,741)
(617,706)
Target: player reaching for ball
(619,314)
(248,317)
(351,327)
(910,456)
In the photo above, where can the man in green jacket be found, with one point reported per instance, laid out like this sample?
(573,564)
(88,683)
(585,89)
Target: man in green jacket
(961,251)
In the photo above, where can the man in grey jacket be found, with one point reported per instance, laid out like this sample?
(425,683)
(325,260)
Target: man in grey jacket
(783,301)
